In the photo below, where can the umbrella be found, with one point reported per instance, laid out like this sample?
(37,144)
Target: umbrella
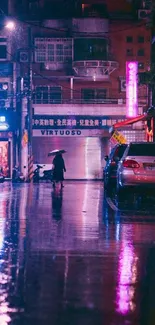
(55,152)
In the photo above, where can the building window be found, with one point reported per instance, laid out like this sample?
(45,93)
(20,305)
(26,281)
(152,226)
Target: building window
(93,95)
(47,95)
(140,65)
(41,53)
(3,49)
(59,53)
(129,39)
(129,52)
(3,40)
(53,50)
(140,52)
(140,39)
(50,52)
(94,10)
(33,7)
(55,95)
(90,49)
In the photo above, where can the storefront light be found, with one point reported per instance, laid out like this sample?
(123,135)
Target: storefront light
(4,126)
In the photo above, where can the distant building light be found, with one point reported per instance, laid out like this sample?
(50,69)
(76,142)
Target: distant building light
(2,119)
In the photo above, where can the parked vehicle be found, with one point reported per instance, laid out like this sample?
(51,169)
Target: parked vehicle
(46,175)
(136,169)
(110,170)
(36,175)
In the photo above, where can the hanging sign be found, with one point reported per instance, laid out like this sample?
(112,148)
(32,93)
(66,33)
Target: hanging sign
(118,137)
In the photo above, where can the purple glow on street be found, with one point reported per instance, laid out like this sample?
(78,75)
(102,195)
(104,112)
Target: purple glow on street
(131,89)
(127,279)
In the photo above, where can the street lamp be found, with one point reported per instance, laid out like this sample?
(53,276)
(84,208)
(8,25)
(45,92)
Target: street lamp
(10,25)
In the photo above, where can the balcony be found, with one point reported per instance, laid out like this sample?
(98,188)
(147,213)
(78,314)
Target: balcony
(78,108)
(90,25)
(92,58)
(94,69)
(79,25)
(107,106)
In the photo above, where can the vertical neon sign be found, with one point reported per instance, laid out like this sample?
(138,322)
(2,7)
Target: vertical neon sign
(131,89)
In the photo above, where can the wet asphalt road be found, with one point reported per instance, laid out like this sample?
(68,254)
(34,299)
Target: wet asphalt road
(72,257)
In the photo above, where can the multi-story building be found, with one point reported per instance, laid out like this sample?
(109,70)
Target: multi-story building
(79,75)
(8,134)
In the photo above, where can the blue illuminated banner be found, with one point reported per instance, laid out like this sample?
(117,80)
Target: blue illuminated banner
(74,122)
(8,121)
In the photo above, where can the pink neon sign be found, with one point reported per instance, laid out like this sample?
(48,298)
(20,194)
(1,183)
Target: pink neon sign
(131,89)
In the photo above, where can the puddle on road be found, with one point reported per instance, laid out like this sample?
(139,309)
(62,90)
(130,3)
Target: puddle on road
(68,258)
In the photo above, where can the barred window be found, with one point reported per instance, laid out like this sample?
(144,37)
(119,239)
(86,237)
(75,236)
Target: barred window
(41,53)
(59,53)
(53,50)
(47,95)
(50,52)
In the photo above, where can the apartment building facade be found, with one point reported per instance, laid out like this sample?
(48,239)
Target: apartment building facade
(79,75)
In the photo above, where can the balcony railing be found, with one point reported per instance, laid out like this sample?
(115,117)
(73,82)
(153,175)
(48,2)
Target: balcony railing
(116,101)
(79,101)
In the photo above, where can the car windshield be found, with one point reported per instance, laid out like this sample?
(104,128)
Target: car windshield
(119,152)
(142,149)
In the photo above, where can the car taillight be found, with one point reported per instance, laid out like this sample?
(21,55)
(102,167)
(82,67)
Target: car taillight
(129,163)
(113,163)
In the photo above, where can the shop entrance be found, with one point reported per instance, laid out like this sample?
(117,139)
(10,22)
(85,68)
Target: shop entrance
(5,158)
(84,158)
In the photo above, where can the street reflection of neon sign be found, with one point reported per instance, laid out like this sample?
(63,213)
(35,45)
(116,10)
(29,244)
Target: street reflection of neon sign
(131,89)
(127,279)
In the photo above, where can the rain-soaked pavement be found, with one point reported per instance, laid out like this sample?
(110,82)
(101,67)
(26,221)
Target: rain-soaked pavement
(71,257)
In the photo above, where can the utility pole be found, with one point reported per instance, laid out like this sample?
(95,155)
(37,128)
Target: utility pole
(29,106)
(153,71)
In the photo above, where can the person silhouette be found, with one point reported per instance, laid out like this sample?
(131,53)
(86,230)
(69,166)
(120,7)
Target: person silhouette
(59,169)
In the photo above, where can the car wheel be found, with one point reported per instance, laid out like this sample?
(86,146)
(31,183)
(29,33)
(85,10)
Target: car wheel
(121,195)
(110,189)
(126,197)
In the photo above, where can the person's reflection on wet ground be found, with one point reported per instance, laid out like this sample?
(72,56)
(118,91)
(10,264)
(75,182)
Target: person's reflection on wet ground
(57,196)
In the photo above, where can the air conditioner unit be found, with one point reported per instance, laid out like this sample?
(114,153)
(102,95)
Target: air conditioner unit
(143,14)
(122,85)
(23,56)
(4,103)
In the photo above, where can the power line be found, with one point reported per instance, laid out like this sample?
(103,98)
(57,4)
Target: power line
(30,23)
(75,32)
(48,78)
(45,77)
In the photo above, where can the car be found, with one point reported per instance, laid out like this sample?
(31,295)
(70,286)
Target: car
(136,169)
(110,170)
